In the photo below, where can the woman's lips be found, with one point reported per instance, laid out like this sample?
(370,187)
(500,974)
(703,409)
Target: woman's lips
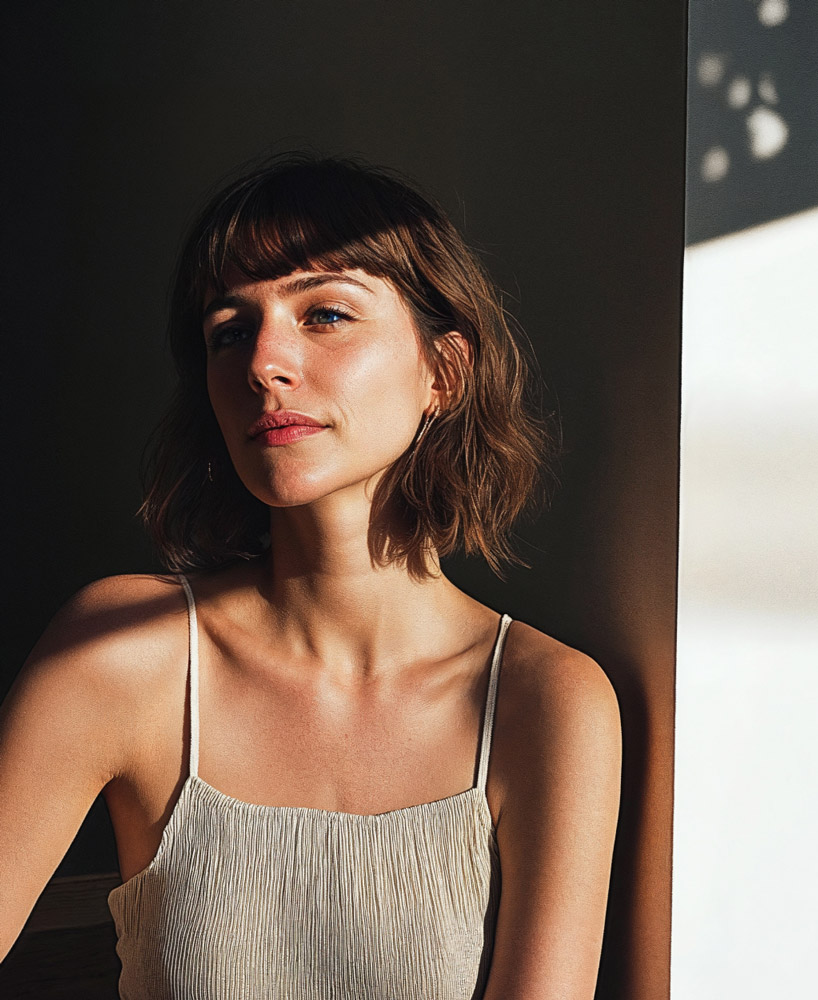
(287,434)
(284,427)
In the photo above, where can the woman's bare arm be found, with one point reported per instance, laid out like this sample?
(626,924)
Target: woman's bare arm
(558,770)
(68,727)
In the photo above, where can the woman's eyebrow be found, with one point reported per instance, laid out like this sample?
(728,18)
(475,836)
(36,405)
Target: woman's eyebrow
(304,283)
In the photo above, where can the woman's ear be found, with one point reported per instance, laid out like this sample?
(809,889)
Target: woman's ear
(454,366)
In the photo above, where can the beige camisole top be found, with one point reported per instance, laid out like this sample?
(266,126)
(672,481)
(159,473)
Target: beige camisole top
(243,901)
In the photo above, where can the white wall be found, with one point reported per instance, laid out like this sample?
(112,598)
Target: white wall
(745,913)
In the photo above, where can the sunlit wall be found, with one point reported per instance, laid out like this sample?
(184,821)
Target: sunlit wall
(745,874)
(745,921)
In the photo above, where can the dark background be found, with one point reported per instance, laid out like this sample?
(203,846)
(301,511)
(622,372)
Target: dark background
(553,133)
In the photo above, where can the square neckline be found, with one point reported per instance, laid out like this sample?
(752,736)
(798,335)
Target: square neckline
(344,814)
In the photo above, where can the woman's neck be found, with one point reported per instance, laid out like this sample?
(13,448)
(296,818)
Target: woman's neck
(335,601)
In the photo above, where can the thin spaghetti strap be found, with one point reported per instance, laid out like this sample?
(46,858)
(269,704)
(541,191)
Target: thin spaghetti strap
(193,662)
(491,700)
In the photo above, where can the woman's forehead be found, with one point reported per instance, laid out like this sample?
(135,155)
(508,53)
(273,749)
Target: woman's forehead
(298,281)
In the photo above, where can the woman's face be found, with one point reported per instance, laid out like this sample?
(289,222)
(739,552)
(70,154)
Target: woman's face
(317,381)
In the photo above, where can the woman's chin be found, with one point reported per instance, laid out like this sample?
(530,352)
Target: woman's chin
(296,484)
(301,493)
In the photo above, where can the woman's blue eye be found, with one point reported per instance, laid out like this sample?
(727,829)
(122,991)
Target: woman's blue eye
(325,316)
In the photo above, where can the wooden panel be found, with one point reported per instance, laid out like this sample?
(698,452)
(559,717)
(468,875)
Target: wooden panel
(67,949)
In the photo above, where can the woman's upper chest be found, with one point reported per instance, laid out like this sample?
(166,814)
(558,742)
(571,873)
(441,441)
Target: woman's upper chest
(284,730)
(274,732)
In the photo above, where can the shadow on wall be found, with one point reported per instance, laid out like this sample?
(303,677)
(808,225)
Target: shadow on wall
(753,90)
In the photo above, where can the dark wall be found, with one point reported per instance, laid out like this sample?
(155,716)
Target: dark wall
(553,133)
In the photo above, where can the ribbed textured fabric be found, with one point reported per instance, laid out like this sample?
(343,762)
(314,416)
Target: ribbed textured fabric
(247,901)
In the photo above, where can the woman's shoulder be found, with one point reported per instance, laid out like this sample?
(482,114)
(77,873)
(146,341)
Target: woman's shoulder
(114,634)
(120,610)
(124,591)
(111,660)
(557,715)
(545,674)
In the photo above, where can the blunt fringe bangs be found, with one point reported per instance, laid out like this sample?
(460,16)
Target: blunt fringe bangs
(483,460)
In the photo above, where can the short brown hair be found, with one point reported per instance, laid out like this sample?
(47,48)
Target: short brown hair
(481,461)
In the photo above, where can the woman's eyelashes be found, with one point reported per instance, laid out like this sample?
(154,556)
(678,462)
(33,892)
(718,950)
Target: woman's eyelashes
(327,315)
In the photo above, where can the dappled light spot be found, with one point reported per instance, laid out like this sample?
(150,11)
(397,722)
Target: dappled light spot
(767,90)
(768,133)
(771,13)
(710,69)
(715,164)
(739,92)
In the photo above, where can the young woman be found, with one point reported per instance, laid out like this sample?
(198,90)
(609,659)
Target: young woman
(330,772)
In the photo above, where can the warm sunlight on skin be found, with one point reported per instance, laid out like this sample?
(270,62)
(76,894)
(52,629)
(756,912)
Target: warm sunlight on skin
(339,349)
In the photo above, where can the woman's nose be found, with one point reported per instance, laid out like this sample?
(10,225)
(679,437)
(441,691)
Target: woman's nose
(276,359)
